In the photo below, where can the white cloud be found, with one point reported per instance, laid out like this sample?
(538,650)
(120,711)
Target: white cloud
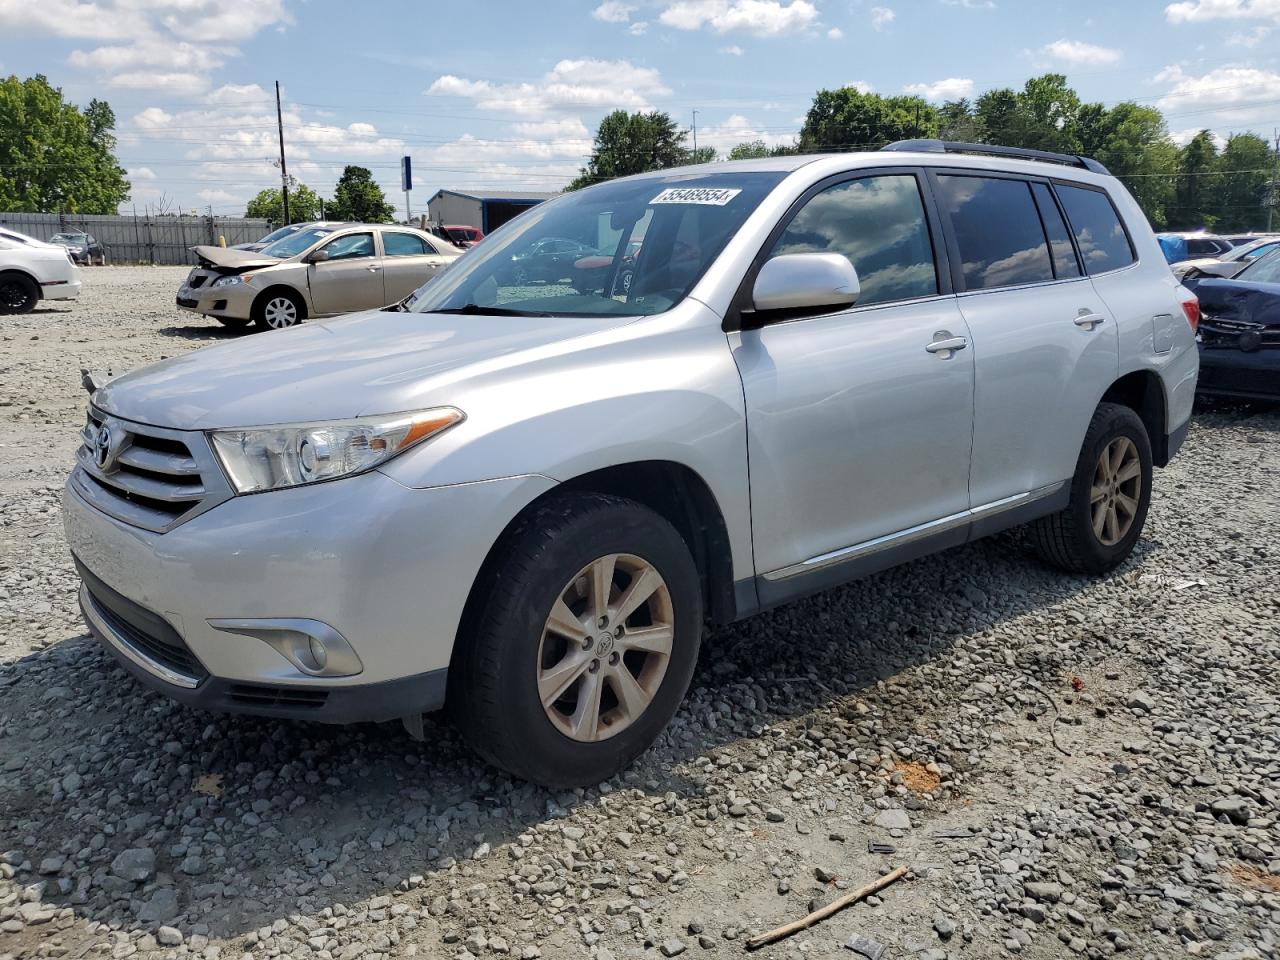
(738,129)
(972,4)
(613,11)
(733,51)
(952,88)
(881,17)
(835,33)
(1183,137)
(1251,38)
(1200,11)
(764,18)
(69,18)
(569,84)
(1231,95)
(638,28)
(1076,52)
(218,196)
(142,173)
(151,52)
(861,86)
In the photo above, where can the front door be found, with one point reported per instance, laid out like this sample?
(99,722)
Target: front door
(350,279)
(858,422)
(408,261)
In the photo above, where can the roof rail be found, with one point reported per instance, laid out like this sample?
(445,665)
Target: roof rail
(991,149)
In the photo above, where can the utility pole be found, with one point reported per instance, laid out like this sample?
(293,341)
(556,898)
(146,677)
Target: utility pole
(1273,194)
(284,174)
(695,136)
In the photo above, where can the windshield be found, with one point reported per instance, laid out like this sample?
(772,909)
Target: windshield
(1265,269)
(70,237)
(275,235)
(631,247)
(295,243)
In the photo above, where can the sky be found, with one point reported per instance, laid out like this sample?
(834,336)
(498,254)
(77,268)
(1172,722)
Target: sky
(508,94)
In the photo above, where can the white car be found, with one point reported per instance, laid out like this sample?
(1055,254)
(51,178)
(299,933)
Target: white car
(32,270)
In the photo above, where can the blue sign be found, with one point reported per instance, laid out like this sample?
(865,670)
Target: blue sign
(406,174)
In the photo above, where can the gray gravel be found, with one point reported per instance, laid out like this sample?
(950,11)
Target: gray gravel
(1071,767)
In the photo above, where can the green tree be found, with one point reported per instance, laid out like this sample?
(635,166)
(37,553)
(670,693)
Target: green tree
(1196,187)
(358,198)
(1133,143)
(628,143)
(1245,167)
(758,149)
(850,119)
(53,157)
(702,155)
(957,120)
(304,205)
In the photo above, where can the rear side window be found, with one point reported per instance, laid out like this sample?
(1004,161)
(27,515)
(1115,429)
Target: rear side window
(1064,255)
(404,245)
(879,224)
(998,230)
(1099,234)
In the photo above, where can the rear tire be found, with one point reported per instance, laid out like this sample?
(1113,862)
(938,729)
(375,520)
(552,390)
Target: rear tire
(544,685)
(18,293)
(1110,495)
(278,309)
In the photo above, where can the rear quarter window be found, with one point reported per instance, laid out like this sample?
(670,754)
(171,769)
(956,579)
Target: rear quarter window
(1104,244)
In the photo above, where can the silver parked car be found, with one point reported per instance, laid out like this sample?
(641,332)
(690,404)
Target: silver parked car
(525,499)
(320,270)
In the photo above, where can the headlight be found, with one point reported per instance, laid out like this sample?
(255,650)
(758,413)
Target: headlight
(268,458)
(228,281)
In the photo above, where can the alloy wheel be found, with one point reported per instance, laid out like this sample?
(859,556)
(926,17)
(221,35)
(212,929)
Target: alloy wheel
(1116,491)
(13,296)
(605,647)
(280,312)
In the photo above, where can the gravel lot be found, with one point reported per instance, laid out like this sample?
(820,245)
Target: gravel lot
(1069,766)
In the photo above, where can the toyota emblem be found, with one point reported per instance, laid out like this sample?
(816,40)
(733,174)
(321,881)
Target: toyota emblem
(102,453)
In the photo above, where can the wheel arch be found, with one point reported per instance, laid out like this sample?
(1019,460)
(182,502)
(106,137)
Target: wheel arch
(674,491)
(26,275)
(298,296)
(1143,392)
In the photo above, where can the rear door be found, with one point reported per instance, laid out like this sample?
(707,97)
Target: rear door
(408,261)
(858,421)
(1045,345)
(351,279)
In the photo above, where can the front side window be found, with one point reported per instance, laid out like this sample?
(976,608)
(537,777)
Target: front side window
(877,222)
(631,247)
(350,247)
(404,245)
(1099,233)
(1002,242)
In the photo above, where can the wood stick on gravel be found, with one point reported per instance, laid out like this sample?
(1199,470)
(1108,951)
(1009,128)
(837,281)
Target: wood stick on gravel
(795,926)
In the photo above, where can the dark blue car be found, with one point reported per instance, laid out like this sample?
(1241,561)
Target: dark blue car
(1240,331)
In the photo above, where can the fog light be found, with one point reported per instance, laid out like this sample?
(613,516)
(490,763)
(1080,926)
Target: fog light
(312,646)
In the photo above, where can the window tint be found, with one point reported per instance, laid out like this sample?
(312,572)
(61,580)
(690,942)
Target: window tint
(998,230)
(404,245)
(1099,234)
(1263,270)
(879,224)
(351,246)
(1064,257)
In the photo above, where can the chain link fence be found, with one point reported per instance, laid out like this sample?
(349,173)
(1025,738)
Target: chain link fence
(142,239)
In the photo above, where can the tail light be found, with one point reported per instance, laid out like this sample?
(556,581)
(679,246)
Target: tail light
(1192,309)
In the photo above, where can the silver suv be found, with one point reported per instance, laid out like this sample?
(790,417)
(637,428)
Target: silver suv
(524,499)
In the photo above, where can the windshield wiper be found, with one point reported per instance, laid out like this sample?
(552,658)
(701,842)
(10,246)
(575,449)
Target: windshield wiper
(474,309)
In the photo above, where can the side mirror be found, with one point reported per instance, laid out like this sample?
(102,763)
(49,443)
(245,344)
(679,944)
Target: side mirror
(319,256)
(806,281)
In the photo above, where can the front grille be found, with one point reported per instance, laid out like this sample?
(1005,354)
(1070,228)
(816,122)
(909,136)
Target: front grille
(147,633)
(255,695)
(146,476)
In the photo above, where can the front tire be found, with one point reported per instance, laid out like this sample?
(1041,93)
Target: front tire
(582,642)
(18,293)
(1110,495)
(278,309)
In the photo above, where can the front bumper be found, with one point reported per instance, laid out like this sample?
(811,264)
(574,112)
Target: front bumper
(234,301)
(1229,372)
(60,289)
(386,566)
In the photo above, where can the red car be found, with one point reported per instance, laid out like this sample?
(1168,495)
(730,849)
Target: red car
(459,234)
(590,273)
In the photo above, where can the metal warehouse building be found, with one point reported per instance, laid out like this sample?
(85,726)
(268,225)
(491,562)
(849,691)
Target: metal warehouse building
(488,210)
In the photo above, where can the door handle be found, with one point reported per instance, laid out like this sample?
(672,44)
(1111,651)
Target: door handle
(1090,320)
(373,269)
(947,346)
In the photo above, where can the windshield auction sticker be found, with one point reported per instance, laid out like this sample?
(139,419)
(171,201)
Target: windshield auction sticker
(709,196)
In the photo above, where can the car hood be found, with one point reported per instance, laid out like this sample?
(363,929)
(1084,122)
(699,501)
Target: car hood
(379,361)
(231,259)
(1238,300)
